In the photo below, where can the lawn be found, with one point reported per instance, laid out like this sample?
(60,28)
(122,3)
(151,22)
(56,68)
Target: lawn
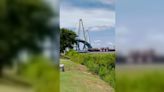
(9,88)
(77,78)
(140,78)
(12,83)
(39,74)
(101,64)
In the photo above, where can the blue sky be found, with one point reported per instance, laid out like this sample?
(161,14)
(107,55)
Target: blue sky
(98,17)
(140,25)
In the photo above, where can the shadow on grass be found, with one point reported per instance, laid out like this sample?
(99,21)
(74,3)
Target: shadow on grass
(15,81)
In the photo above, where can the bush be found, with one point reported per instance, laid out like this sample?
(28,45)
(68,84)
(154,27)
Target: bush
(43,73)
(100,64)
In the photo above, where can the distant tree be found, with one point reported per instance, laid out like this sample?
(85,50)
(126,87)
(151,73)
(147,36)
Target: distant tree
(23,25)
(67,39)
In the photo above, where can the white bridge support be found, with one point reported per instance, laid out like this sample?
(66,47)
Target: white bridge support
(83,37)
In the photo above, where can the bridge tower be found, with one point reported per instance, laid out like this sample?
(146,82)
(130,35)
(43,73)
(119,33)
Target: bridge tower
(83,37)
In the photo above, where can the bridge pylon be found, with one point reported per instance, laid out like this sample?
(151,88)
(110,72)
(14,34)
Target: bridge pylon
(83,37)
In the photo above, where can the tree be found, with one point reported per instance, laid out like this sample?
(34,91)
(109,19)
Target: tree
(23,25)
(67,39)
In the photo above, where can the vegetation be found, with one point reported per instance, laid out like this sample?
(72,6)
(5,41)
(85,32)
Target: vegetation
(23,25)
(100,64)
(43,74)
(140,78)
(77,78)
(67,39)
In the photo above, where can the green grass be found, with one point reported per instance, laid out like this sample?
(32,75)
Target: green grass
(101,64)
(77,78)
(38,74)
(10,82)
(43,74)
(140,78)
(9,88)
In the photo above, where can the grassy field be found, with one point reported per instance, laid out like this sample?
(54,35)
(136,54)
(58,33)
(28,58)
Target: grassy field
(140,78)
(12,83)
(38,74)
(9,88)
(101,64)
(77,78)
(43,74)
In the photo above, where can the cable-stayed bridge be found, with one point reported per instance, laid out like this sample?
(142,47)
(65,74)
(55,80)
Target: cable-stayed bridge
(83,43)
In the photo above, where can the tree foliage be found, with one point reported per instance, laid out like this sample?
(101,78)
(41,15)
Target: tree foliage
(67,39)
(23,25)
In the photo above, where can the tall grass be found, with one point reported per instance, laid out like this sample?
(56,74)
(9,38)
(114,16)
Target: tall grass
(43,74)
(100,64)
(140,80)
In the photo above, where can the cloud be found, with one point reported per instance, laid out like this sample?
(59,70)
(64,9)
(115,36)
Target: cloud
(89,4)
(109,43)
(100,44)
(128,39)
(108,1)
(97,41)
(91,18)
(101,27)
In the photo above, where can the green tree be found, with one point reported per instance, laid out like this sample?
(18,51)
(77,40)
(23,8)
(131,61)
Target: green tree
(67,39)
(23,25)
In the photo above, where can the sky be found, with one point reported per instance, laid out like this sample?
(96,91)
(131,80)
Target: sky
(139,25)
(98,17)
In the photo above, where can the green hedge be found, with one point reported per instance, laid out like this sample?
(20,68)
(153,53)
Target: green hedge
(102,64)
